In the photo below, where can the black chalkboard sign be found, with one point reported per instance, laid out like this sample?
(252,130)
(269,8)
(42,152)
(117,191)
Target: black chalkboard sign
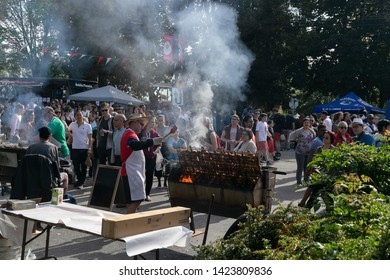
(105,187)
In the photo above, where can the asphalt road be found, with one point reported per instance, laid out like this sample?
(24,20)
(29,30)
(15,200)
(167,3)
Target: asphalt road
(71,245)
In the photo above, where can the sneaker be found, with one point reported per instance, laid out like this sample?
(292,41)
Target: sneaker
(148,198)
(270,162)
(276,158)
(78,187)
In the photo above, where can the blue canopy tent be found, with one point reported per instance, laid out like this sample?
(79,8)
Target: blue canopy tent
(348,103)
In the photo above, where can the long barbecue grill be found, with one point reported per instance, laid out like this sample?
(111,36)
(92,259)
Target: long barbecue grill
(234,179)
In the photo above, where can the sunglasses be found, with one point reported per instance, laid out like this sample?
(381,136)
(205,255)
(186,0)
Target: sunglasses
(342,127)
(104,110)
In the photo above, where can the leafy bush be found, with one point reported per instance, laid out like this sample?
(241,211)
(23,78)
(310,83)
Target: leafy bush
(370,164)
(355,180)
(357,229)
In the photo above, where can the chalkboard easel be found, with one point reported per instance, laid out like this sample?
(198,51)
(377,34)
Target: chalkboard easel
(105,186)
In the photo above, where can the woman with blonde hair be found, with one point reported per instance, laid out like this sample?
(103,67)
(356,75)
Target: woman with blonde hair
(210,140)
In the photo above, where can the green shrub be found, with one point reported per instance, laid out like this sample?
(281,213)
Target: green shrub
(371,164)
(355,181)
(357,229)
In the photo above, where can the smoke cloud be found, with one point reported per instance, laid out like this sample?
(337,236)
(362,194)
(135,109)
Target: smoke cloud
(214,53)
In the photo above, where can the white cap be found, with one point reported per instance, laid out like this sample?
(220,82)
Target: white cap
(357,121)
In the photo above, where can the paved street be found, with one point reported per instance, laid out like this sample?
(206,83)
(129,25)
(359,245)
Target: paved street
(68,245)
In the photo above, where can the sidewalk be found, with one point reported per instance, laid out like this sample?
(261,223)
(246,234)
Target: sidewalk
(68,245)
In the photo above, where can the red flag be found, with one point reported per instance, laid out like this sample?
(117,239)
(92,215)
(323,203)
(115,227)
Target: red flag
(180,44)
(168,50)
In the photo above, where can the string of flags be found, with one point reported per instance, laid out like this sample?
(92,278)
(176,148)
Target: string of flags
(70,54)
(172,52)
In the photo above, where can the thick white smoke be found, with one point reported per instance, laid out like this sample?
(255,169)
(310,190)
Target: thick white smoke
(214,56)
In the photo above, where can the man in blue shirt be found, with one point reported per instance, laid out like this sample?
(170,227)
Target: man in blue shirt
(317,142)
(361,136)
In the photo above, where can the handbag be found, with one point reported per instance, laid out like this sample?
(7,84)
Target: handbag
(88,161)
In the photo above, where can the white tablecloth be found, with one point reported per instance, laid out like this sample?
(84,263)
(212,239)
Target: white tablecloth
(89,220)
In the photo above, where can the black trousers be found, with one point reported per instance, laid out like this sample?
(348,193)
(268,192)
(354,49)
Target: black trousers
(80,169)
(104,155)
(150,165)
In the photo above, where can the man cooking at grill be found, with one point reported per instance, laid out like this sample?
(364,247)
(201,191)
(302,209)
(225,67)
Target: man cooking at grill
(133,161)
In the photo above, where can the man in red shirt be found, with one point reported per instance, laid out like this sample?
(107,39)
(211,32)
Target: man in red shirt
(133,161)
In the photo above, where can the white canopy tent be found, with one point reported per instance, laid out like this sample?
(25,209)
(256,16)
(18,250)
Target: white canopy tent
(106,94)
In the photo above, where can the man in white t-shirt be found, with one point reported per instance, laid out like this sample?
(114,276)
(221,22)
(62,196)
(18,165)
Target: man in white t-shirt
(325,119)
(261,138)
(15,123)
(370,126)
(81,147)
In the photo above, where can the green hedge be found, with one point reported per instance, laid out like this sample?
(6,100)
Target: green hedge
(358,229)
(355,227)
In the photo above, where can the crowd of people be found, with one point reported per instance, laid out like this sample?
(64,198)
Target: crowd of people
(325,132)
(142,141)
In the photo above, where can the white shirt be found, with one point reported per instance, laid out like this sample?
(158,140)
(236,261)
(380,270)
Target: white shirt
(371,128)
(233,133)
(15,123)
(261,131)
(328,122)
(80,135)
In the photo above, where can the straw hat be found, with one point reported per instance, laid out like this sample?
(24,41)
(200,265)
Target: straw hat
(137,117)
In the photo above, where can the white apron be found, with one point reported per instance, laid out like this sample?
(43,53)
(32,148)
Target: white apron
(135,170)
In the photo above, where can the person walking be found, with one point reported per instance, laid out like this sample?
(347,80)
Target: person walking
(303,137)
(105,130)
(119,126)
(262,133)
(279,121)
(150,155)
(81,147)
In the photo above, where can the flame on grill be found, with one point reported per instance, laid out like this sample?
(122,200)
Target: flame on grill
(185,179)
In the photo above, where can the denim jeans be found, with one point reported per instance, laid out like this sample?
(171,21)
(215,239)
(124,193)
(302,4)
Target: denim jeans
(301,160)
